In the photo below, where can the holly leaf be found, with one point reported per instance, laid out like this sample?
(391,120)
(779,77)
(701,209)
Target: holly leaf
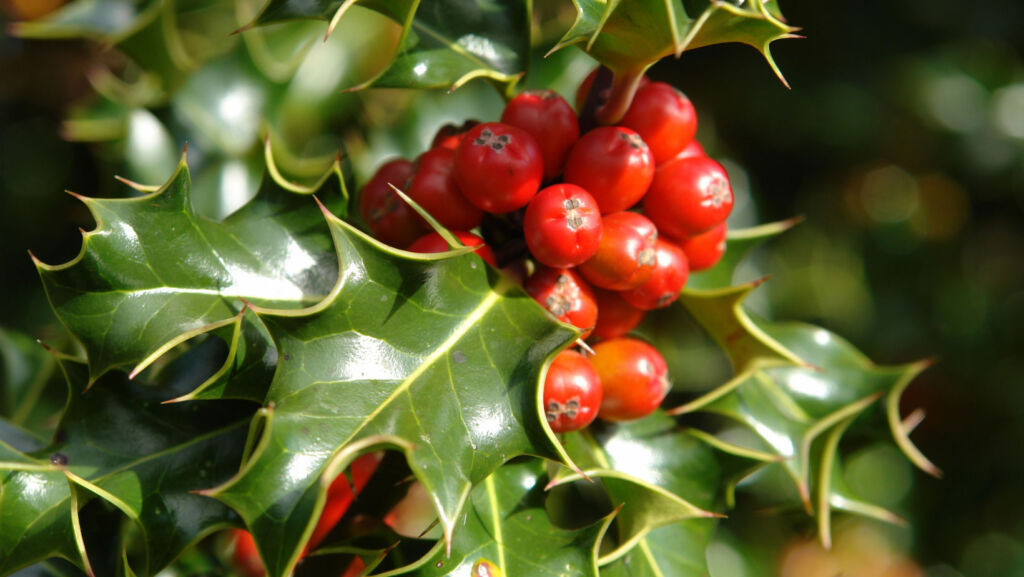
(40,510)
(653,472)
(435,355)
(443,43)
(678,549)
(630,36)
(506,525)
(627,36)
(791,405)
(739,244)
(833,492)
(118,442)
(842,375)
(756,23)
(29,377)
(153,273)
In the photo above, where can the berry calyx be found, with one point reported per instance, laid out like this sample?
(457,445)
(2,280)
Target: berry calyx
(434,242)
(689,196)
(551,122)
(626,256)
(566,295)
(663,286)
(634,378)
(562,226)
(498,167)
(664,117)
(572,392)
(613,164)
(389,218)
(706,249)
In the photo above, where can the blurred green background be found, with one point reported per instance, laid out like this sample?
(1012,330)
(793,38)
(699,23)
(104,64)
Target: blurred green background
(901,142)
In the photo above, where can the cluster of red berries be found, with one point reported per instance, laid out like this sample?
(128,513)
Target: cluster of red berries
(610,222)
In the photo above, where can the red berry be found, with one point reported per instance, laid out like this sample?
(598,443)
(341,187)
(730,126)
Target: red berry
(550,121)
(449,135)
(692,149)
(434,242)
(572,392)
(339,497)
(613,164)
(390,219)
(689,196)
(434,188)
(625,257)
(246,557)
(498,167)
(562,225)
(615,316)
(706,249)
(634,378)
(669,276)
(566,295)
(664,118)
(584,90)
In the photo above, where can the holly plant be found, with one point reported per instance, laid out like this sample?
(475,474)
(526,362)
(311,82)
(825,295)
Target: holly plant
(470,360)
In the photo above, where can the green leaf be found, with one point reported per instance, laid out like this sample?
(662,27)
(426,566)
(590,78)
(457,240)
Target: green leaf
(627,36)
(842,375)
(720,312)
(756,23)
(677,550)
(790,406)
(833,493)
(655,472)
(505,523)
(30,389)
(153,273)
(738,245)
(40,513)
(443,44)
(120,443)
(630,36)
(435,355)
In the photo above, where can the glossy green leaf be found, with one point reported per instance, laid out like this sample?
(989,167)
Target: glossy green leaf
(627,36)
(833,493)
(677,550)
(756,23)
(443,44)
(30,386)
(791,407)
(119,443)
(720,312)
(653,471)
(435,355)
(505,523)
(153,273)
(249,366)
(630,36)
(37,521)
(840,375)
(738,245)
